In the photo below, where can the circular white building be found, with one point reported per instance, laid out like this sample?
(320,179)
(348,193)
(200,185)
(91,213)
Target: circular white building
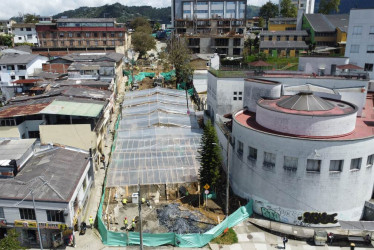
(303,159)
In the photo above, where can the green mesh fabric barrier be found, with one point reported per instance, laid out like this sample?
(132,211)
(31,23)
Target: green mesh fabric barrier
(126,73)
(139,77)
(168,75)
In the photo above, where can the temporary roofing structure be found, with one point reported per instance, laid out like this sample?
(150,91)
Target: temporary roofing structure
(157,141)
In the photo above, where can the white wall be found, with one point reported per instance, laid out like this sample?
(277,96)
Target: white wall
(360,18)
(312,64)
(24,36)
(285,195)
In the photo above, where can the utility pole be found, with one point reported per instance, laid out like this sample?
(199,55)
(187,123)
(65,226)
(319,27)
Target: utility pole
(227,174)
(140,218)
(36,219)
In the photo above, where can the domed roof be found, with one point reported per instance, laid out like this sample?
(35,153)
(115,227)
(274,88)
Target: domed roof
(305,101)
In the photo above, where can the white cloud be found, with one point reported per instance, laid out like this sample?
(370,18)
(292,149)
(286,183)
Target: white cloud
(10,8)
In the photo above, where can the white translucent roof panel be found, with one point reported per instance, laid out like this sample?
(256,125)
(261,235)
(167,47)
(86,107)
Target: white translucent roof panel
(147,92)
(151,107)
(181,100)
(158,118)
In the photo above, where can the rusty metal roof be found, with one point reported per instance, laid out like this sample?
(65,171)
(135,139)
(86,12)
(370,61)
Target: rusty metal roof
(21,110)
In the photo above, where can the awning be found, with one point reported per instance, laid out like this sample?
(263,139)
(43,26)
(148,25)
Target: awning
(357,225)
(349,66)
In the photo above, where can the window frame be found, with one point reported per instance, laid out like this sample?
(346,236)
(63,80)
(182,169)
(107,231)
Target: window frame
(290,167)
(55,216)
(340,167)
(319,164)
(353,162)
(271,163)
(252,153)
(370,160)
(27,214)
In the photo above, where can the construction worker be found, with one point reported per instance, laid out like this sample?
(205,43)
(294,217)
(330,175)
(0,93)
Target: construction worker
(91,221)
(124,201)
(125,222)
(143,200)
(133,224)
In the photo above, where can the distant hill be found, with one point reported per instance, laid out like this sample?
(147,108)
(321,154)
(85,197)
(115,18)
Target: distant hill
(347,5)
(120,12)
(125,13)
(252,11)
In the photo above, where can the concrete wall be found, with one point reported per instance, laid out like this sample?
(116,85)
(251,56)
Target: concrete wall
(288,196)
(74,135)
(253,91)
(312,64)
(25,36)
(305,125)
(360,18)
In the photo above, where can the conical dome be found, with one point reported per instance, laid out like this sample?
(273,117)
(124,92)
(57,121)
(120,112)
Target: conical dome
(305,101)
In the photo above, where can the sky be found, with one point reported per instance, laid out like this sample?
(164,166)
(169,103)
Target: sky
(10,8)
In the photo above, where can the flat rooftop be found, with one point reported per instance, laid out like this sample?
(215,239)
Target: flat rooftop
(61,168)
(364,125)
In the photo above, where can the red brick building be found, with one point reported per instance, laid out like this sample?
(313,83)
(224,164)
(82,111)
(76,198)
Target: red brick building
(82,33)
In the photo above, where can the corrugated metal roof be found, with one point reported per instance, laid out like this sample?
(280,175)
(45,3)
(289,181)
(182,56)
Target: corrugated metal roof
(17,59)
(305,101)
(21,110)
(14,149)
(73,108)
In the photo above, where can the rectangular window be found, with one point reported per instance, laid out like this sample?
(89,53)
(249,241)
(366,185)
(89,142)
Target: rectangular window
(61,34)
(13,77)
(2,216)
(104,34)
(53,215)
(28,29)
(270,38)
(368,67)
(290,163)
(278,38)
(21,29)
(95,34)
(79,34)
(252,154)
(10,67)
(356,164)
(112,34)
(336,165)
(370,161)
(370,49)
(70,34)
(357,30)
(71,43)
(240,149)
(104,42)
(295,38)
(27,214)
(313,165)
(371,32)
(79,42)
(287,38)
(120,34)
(355,48)
(21,67)
(269,160)
(88,34)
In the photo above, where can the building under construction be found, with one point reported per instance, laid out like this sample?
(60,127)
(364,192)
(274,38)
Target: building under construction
(211,26)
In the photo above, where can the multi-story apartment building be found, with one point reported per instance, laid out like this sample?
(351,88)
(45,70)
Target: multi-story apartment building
(360,39)
(306,5)
(211,25)
(81,33)
(25,33)
(6,26)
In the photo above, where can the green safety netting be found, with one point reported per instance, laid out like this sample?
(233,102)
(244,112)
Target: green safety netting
(139,77)
(168,75)
(111,238)
(126,72)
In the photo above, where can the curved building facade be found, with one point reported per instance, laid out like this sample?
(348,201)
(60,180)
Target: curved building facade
(303,162)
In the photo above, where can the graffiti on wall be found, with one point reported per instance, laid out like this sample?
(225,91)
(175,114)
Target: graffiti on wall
(318,218)
(270,214)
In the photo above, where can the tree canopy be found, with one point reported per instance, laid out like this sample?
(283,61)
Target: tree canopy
(139,21)
(6,40)
(180,57)
(142,42)
(268,10)
(328,6)
(30,18)
(210,157)
(288,9)
(10,242)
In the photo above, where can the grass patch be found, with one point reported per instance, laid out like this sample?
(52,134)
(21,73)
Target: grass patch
(227,238)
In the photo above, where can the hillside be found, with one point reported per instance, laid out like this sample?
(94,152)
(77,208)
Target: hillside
(125,13)
(120,12)
(347,5)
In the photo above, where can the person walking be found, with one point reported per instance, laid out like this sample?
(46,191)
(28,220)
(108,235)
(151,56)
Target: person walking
(125,222)
(133,224)
(91,221)
(124,201)
(331,237)
(285,240)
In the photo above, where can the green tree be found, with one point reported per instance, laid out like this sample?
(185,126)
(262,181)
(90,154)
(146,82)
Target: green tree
(11,242)
(144,28)
(209,157)
(248,45)
(142,42)
(139,21)
(30,18)
(288,9)
(6,40)
(180,57)
(328,6)
(261,22)
(157,26)
(268,10)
